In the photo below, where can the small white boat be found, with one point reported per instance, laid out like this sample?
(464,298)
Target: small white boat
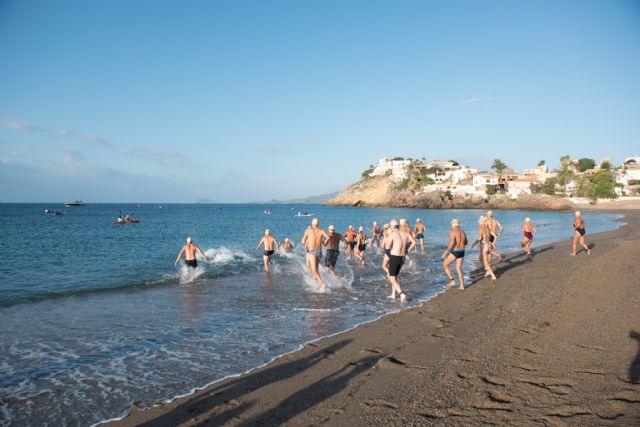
(304,214)
(75,203)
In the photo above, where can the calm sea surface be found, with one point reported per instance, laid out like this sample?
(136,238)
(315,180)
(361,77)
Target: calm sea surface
(96,317)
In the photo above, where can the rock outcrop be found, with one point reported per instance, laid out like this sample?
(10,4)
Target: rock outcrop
(382,191)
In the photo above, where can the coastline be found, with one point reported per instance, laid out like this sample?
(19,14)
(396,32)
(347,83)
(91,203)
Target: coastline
(360,376)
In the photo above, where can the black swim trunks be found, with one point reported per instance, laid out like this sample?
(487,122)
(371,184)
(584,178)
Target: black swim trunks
(267,253)
(361,248)
(331,258)
(191,263)
(419,236)
(352,244)
(491,238)
(395,264)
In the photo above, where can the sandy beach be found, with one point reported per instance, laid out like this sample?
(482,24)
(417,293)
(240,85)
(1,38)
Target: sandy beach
(554,341)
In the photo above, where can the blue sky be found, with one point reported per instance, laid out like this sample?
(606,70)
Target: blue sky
(237,101)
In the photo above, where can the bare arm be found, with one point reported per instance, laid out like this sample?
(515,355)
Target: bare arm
(452,242)
(277,244)
(499,224)
(179,255)
(304,237)
(259,243)
(201,252)
(533,228)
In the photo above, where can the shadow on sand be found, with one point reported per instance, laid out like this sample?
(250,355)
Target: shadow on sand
(634,367)
(225,402)
(507,264)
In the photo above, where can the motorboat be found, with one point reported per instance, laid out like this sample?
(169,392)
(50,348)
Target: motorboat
(75,203)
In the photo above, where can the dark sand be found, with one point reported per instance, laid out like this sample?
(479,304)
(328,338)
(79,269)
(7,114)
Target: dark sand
(554,341)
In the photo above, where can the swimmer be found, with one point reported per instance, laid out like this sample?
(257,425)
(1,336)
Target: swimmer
(419,230)
(268,242)
(487,246)
(385,259)
(494,225)
(350,238)
(333,248)
(287,246)
(189,250)
(361,244)
(376,237)
(312,241)
(579,231)
(455,251)
(410,242)
(529,231)
(396,243)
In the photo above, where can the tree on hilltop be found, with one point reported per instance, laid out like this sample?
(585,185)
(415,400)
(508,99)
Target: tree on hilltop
(585,163)
(498,165)
(541,163)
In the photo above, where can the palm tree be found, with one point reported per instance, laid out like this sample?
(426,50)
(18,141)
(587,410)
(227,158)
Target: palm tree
(498,165)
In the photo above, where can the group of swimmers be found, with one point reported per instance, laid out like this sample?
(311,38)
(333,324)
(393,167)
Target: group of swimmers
(397,240)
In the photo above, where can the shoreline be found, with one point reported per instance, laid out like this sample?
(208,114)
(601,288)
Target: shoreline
(167,410)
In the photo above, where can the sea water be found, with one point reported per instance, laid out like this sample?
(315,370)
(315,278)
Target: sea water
(95,316)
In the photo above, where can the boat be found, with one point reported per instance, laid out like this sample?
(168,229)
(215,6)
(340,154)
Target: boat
(75,203)
(131,221)
(304,214)
(268,211)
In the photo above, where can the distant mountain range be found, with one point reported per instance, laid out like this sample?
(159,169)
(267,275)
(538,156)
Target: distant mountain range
(311,200)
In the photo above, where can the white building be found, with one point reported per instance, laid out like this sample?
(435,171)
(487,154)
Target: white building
(539,173)
(481,181)
(518,186)
(398,168)
(628,178)
(441,164)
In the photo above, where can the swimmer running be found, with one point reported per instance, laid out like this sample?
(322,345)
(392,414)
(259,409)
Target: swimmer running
(396,242)
(420,229)
(312,241)
(189,250)
(455,251)
(529,231)
(268,242)
(579,231)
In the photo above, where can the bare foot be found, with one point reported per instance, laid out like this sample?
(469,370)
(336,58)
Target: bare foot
(461,288)
(392,297)
(402,296)
(588,251)
(452,282)
(573,254)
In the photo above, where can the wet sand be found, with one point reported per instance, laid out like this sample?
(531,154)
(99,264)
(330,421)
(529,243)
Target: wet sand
(554,341)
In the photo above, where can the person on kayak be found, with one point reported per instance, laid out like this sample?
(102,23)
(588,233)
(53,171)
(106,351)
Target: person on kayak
(189,250)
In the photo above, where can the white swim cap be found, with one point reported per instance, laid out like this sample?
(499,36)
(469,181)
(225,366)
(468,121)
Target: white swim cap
(527,219)
(482,220)
(189,239)
(455,222)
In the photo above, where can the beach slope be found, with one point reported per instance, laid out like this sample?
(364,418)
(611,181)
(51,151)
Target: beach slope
(555,340)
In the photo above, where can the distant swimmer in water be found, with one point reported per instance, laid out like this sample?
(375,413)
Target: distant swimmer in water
(268,242)
(396,242)
(410,242)
(287,246)
(189,250)
(361,244)
(420,229)
(494,225)
(455,251)
(579,230)
(376,237)
(312,241)
(485,234)
(333,248)
(350,239)
(529,231)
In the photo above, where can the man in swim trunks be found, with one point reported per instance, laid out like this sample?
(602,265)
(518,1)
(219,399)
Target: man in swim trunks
(333,248)
(494,225)
(361,244)
(484,235)
(189,250)
(350,241)
(268,242)
(396,243)
(455,251)
(529,230)
(376,237)
(385,259)
(410,242)
(420,229)
(312,241)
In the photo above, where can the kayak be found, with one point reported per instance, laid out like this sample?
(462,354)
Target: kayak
(133,221)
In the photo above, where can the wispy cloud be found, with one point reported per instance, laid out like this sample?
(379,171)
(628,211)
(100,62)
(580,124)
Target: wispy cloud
(15,124)
(162,157)
(477,99)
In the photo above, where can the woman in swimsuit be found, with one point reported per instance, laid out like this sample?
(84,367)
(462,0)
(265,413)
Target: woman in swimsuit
(529,231)
(578,234)
(361,242)
(487,246)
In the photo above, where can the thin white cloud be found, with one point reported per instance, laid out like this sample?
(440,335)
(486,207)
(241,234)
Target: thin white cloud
(476,99)
(162,157)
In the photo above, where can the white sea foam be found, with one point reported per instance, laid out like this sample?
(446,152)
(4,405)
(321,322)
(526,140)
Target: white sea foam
(224,255)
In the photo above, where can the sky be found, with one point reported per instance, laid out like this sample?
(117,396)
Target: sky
(240,101)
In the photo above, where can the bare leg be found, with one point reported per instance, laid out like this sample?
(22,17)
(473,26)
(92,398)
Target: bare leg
(408,258)
(313,262)
(265,260)
(487,265)
(584,245)
(421,245)
(385,264)
(576,236)
(395,287)
(459,262)
(448,260)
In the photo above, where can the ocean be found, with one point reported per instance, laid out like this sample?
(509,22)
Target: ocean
(96,317)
